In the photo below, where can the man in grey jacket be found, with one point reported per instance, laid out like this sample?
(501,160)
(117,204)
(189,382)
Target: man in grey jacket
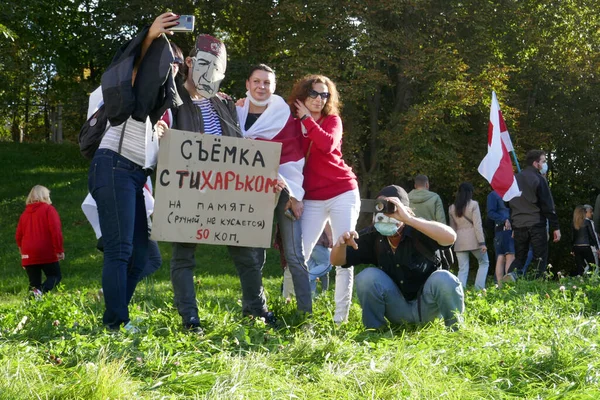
(529,213)
(204,110)
(427,205)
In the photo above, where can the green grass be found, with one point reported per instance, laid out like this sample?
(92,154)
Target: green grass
(529,340)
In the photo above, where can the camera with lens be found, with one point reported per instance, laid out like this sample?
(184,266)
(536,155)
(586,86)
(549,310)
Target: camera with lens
(384,206)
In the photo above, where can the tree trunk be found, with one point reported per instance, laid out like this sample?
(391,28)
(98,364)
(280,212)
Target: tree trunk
(59,128)
(15,128)
(26,127)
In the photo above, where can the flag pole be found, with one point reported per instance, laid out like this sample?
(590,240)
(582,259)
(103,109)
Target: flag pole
(516,161)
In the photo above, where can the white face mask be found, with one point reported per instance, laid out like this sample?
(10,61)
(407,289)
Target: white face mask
(544,168)
(257,103)
(208,71)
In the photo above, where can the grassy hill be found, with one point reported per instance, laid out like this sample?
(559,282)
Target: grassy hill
(529,340)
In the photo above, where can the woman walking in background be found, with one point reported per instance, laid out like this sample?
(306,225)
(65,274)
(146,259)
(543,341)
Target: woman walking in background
(331,189)
(584,238)
(40,240)
(465,219)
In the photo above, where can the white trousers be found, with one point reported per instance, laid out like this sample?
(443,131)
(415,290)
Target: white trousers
(342,213)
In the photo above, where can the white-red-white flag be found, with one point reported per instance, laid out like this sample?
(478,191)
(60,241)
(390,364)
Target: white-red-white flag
(496,167)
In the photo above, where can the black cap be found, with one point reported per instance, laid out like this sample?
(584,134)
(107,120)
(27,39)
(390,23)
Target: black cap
(395,191)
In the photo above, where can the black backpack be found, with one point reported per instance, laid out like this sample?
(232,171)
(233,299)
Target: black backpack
(92,132)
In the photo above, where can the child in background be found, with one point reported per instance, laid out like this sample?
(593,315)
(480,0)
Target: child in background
(40,240)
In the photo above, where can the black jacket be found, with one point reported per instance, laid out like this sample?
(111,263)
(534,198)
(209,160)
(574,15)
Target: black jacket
(154,89)
(535,205)
(408,267)
(187,117)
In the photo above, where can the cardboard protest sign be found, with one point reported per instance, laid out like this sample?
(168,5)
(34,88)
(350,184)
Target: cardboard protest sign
(215,189)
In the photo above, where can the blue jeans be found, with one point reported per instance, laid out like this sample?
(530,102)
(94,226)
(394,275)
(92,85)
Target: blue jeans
(291,237)
(463,267)
(442,295)
(116,185)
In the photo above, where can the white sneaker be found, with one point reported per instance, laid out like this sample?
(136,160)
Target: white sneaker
(37,294)
(129,327)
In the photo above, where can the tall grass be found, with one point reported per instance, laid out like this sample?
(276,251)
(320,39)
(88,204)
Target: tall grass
(528,340)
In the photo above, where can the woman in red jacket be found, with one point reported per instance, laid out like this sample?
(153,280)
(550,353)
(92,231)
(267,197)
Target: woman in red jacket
(331,189)
(40,241)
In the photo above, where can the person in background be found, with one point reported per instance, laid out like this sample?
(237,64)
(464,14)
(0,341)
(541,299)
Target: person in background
(504,244)
(596,216)
(40,240)
(465,219)
(424,203)
(532,215)
(331,188)
(585,241)
(589,215)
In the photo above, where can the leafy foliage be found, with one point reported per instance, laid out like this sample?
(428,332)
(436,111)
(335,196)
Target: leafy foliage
(415,76)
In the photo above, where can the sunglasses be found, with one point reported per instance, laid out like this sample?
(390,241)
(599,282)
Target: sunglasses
(313,94)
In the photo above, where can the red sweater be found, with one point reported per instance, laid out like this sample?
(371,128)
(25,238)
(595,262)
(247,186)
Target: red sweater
(326,175)
(39,234)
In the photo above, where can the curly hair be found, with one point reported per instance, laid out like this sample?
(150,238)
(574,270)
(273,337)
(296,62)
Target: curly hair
(303,86)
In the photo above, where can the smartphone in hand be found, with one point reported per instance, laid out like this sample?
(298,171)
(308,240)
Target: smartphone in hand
(186,24)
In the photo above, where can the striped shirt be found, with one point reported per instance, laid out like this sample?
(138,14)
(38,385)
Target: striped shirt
(140,143)
(212,125)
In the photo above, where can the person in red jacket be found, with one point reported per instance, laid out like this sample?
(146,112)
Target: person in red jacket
(330,186)
(40,240)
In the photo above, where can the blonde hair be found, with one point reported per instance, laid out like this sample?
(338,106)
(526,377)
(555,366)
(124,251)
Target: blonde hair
(578,217)
(39,193)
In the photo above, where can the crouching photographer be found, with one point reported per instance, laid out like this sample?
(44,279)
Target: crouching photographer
(407,284)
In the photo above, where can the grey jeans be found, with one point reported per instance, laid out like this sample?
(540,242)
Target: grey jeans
(249,263)
(293,250)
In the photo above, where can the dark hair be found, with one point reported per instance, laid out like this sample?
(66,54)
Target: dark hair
(177,53)
(303,86)
(463,196)
(260,67)
(533,156)
(421,180)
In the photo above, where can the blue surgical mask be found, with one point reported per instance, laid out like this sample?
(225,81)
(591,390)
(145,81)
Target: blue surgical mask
(544,168)
(386,228)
